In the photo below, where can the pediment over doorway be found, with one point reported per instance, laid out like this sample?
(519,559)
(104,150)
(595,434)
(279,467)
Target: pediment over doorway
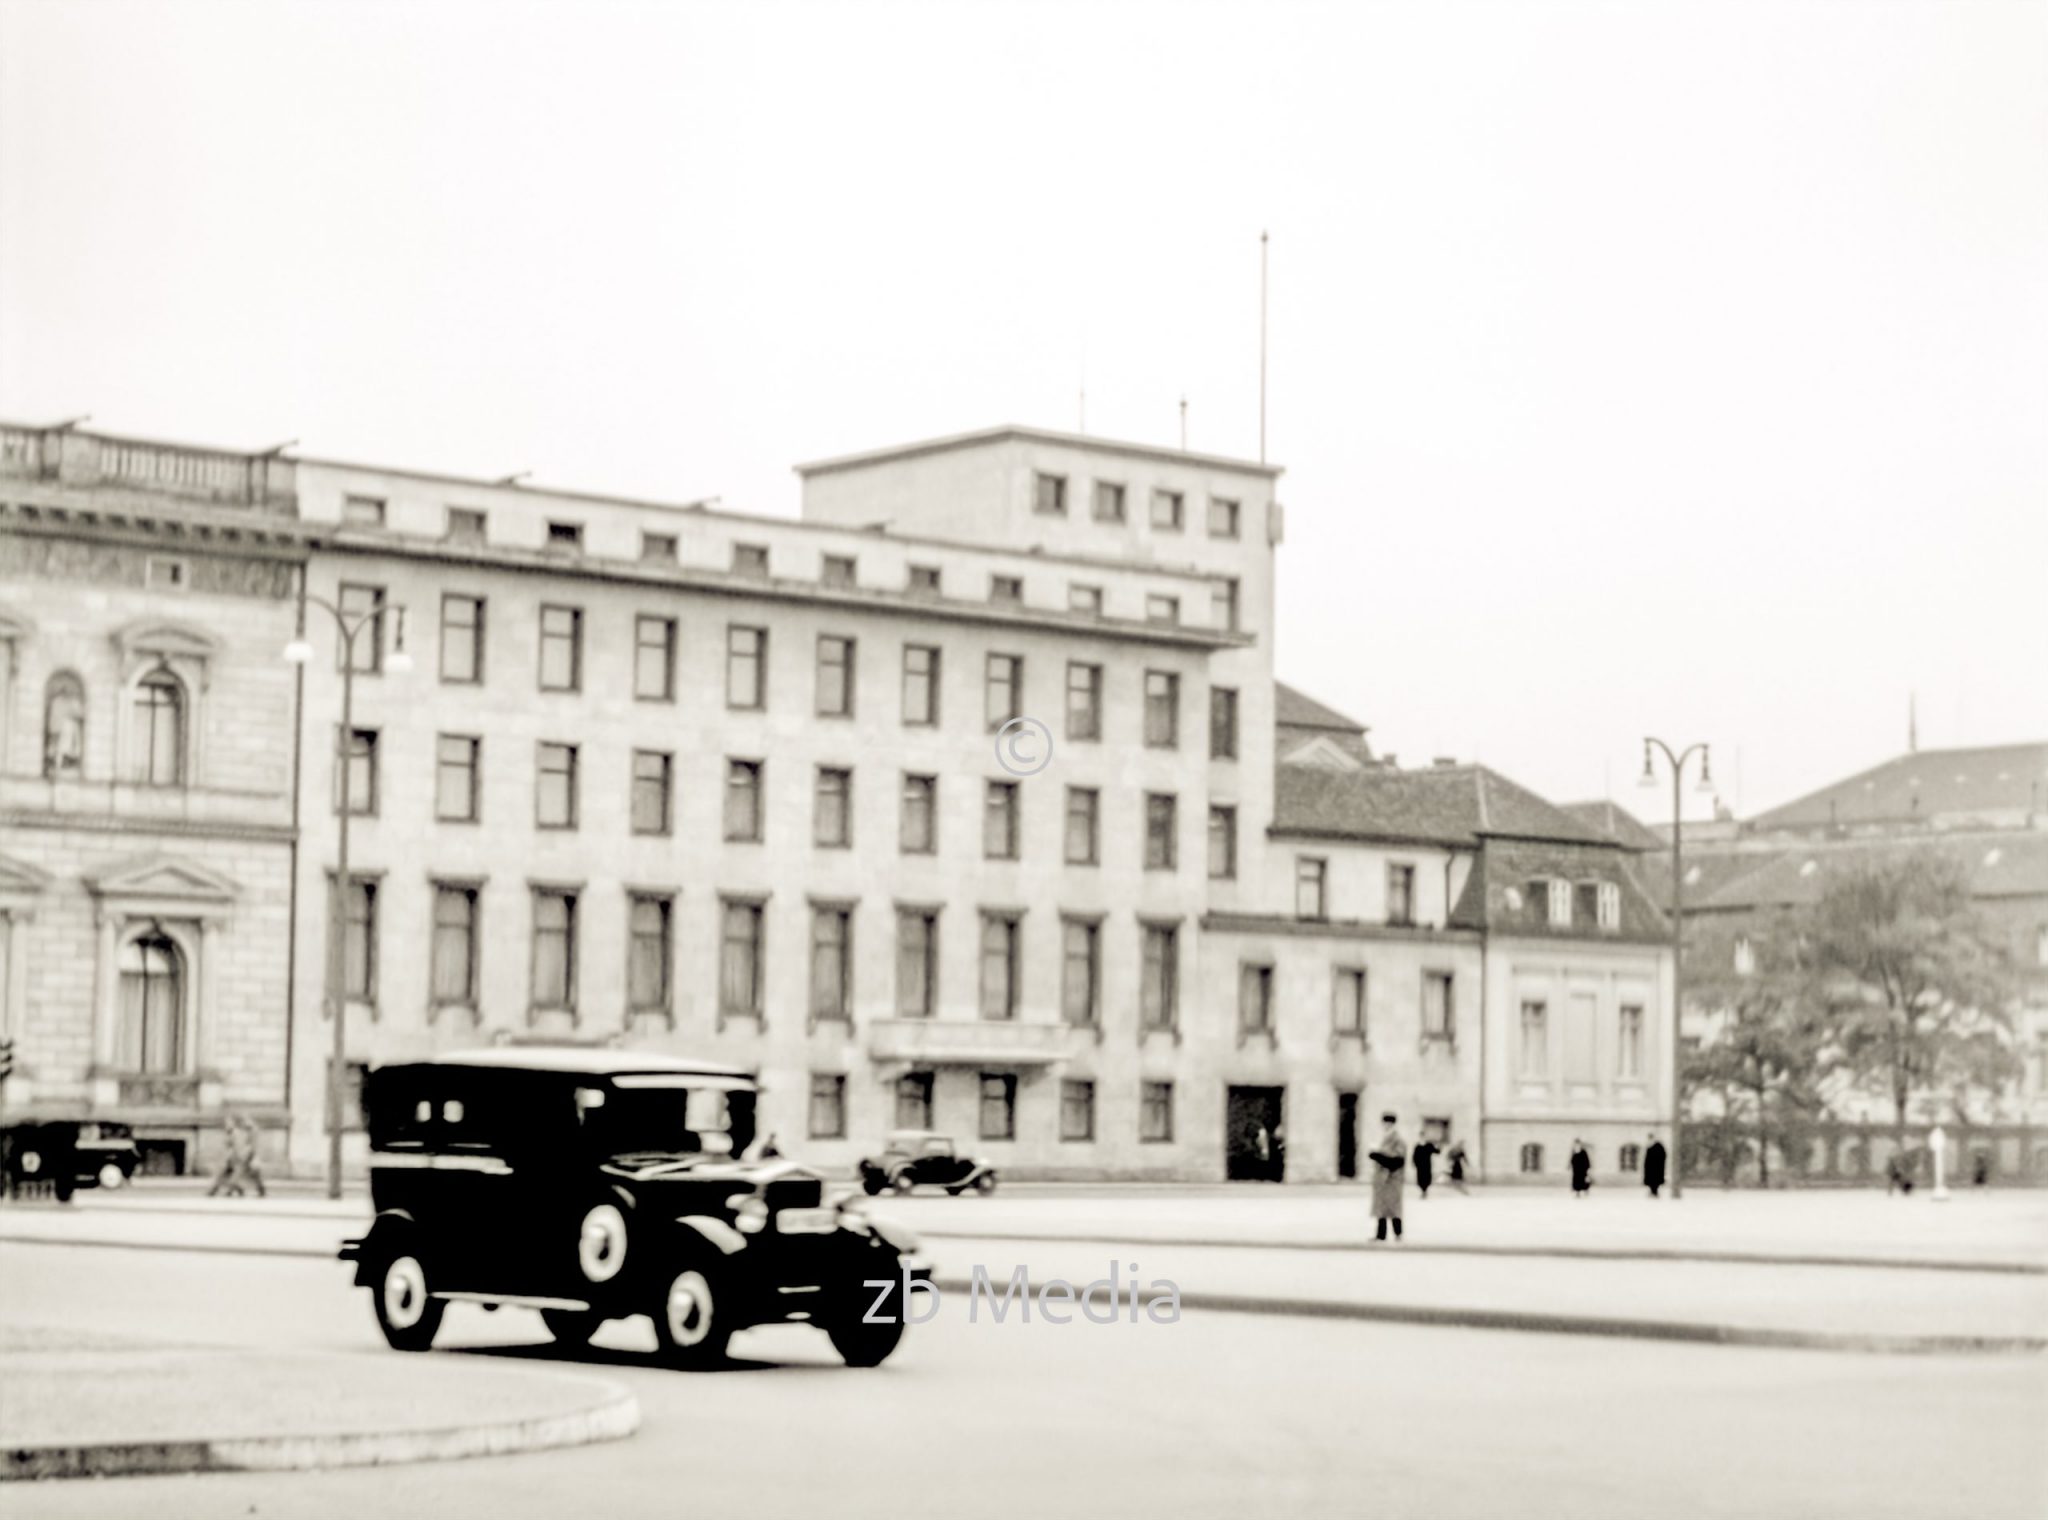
(162,878)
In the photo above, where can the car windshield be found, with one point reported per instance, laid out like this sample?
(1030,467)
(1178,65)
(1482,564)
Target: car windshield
(670,1117)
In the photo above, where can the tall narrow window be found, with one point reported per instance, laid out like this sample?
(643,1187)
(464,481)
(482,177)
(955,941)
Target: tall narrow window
(648,957)
(746,668)
(561,649)
(1077,1110)
(1535,1045)
(835,676)
(999,934)
(1311,887)
(651,791)
(555,786)
(152,1006)
(1155,1113)
(914,1100)
(1084,826)
(1162,709)
(462,639)
(1347,1002)
(831,962)
(999,821)
(554,949)
(1608,905)
(356,604)
(1222,723)
(1439,1008)
(998,1106)
(1081,972)
(157,733)
(1560,892)
(832,809)
(917,963)
(1254,1000)
(1162,828)
(453,972)
(1004,689)
(739,969)
(359,939)
(920,826)
(920,686)
(1631,1052)
(743,801)
(1084,701)
(1222,843)
(1159,987)
(64,727)
(828,1106)
(1401,894)
(357,792)
(1223,604)
(654,659)
(456,758)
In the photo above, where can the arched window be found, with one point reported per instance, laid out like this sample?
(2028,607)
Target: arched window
(152,1005)
(64,726)
(158,733)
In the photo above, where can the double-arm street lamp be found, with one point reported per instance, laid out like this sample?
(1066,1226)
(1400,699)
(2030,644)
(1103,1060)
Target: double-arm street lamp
(349,627)
(1676,759)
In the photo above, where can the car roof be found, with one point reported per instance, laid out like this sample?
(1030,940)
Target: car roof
(584,1060)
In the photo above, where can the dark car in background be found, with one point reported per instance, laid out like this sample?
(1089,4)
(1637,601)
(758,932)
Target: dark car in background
(67,1154)
(924,1158)
(598,1184)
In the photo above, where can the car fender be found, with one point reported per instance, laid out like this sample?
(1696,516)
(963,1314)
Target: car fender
(385,1230)
(716,1232)
(979,1170)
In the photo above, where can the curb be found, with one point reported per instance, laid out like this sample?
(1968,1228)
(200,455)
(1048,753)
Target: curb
(613,1419)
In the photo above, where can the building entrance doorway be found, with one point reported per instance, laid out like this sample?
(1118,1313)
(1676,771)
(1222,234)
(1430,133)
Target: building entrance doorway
(1347,1134)
(1255,1135)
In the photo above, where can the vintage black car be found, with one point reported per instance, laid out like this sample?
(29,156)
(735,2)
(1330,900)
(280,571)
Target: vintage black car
(67,1154)
(921,1157)
(599,1184)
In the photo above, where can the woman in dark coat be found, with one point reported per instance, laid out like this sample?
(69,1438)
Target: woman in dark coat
(1582,1169)
(1425,1165)
(1653,1166)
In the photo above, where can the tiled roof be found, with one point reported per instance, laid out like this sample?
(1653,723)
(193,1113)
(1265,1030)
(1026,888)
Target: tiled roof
(1928,783)
(1451,805)
(1618,824)
(1999,864)
(1500,893)
(1295,709)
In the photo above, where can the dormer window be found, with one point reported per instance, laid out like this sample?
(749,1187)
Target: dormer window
(1560,915)
(1608,905)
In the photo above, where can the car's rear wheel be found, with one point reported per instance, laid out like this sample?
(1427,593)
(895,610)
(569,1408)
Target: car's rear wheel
(572,1327)
(691,1328)
(407,1311)
(902,1181)
(601,1243)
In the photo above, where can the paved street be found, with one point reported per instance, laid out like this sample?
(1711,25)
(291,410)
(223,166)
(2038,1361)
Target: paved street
(1220,1414)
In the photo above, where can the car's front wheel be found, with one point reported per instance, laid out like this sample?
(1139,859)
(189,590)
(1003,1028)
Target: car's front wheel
(690,1325)
(112,1177)
(407,1312)
(985,1183)
(902,1181)
(572,1327)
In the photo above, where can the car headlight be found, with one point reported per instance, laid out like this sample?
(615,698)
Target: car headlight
(750,1212)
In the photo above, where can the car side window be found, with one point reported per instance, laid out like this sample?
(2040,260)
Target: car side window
(423,1111)
(451,1111)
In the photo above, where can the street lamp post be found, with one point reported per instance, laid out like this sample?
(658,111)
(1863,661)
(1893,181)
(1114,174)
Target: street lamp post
(1677,760)
(300,652)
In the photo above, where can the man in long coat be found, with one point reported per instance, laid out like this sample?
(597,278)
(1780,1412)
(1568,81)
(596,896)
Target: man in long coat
(1653,1166)
(1390,1162)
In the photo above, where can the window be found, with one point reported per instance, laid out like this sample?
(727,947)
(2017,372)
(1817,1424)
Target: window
(750,559)
(555,791)
(651,791)
(1077,1110)
(1560,894)
(739,964)
(1085,599)
(1347,1002)
(1311,887)
(64,728)
(156,735)
(1631,1052)
(1222,843)
(1155,1113)
(999,936)
(835,676)
(1162,609)
(1222,723)
(828,1106)
(1532,1159)
(831,962)
(162,573)
(999,822)
(1159,987)
(561,649)
(1084,826)
(465,525)
(1631,1158)
(924,580)
(1535,1059)
(743,801)
(998,1106)
(1003,689)
(1081,972)
(359,940)
(1005,590)
(837,570)
(1608,905)
(920,685)
(357,603)
(456,764)
(1745,957)
(1162,850)
(917,964)
(1109,502)
(914,1100)
(462,639)
(920,824)
(357,791)
(832,809)
(565,537)
(746,672)
(1401,895)
(654,659)
(649,960)
(1049,495)
(1084,701)
(363,511)
(659,548)
(1223,601)
(1439,1011)
(1223,518)
(1254,1000)
(554,949)
(152,1006)
(452,973)
(1162,709)
(1169,511)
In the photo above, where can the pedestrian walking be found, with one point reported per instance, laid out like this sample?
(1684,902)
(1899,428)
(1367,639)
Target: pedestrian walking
(770,1151)
(1425,1165)
(1897,1178)
(1653,1165)
(1391,1159)
(229,1179)
(1980,1169)
(1456,1157)
(1582,1169)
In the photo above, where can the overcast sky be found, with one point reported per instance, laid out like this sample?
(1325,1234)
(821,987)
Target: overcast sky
(1637,368)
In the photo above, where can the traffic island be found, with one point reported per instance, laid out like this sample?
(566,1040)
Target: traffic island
(76,1409)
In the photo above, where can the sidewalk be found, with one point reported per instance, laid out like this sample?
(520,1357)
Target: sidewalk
(79,1405)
